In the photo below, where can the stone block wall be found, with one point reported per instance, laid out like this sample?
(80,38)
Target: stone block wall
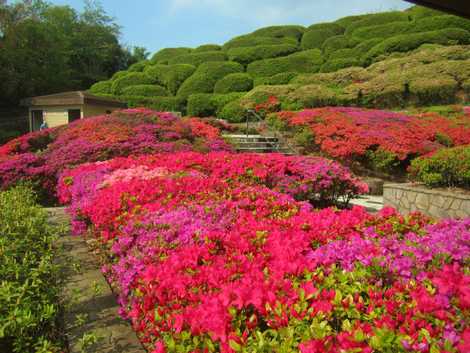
(437,203)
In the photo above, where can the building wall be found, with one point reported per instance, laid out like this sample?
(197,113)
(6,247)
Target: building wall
(56,116)
(94,110)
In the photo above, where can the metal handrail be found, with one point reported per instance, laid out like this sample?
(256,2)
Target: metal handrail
(275,132)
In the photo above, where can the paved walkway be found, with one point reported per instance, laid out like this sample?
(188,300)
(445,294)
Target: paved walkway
(91,318)
(372,203)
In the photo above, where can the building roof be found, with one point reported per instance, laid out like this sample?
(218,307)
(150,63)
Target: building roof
(457,7)
(71,98)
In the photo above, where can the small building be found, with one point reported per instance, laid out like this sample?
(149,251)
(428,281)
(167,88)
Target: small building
(63,108)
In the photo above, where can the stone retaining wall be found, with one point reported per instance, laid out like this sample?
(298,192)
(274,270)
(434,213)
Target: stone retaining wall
(436,203)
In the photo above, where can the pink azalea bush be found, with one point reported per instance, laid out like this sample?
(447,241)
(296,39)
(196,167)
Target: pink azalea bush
(40,156)
(223,253)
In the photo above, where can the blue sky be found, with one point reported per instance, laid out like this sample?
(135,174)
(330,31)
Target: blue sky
(157,24)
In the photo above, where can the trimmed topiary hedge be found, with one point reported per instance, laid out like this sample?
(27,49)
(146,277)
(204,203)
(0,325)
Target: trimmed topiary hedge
(338,42)
(433,90)
(302,62)
(384,31)
(333,65)
(407,42)
(233,112)
(102,87)
(294,32)
(357,53)
(163,104)
(164,55)
(118,74)
(280,79)
(197,59)
(418,12)
(315,38)
(441,22)
(207,47)
(253,40)
(329,26)
(377,19)
(247,55)
(139,66)
(239,82)
(170,76)
(206,76)
(130,79)
(206,104)
(145,91)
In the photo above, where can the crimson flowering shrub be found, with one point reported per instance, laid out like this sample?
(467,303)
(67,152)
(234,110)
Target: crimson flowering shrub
(40,156)
(386,139)
(221,252)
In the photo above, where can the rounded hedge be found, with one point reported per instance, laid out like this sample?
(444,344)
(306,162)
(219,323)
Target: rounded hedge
(145,91)
(163,104)
(348,20)
(338,64)
(197,59)
(437,89)
(377,19)
(253,40)
(308,61)
(206,76)
(294,32)
(170,76)
(441,22)
(247,55)
(385,30)
(139,66)
(207,47)
(103,87)
(338,42)
(239,82)
(280,79)
(131,79)
(314,39)
(418,12)
(164,55)
(329,26)
(207,104)
(118,74)
(358,52)
(407,42)
(233,112)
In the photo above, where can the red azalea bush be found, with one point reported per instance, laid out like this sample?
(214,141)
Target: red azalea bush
(386,139)
(40,156)
(227,257)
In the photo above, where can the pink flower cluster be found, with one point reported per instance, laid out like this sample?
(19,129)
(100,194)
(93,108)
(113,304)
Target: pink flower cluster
(222,253)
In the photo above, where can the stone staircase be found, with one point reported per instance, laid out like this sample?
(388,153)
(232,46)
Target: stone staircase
(259,144)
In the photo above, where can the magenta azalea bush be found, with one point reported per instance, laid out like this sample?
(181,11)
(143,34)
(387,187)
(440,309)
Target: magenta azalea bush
(40,156)
(223,253)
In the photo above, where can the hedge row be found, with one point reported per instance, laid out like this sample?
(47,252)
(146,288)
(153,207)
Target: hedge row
(164,55)
(239,82)
(302,62)
(145,91)
(207,47)
(204,105)
(338,42)
(206,77)
(130,79)
(294,32)
(170,76)
(383,31)
(163,104)
(247,55)
(315,38)
(441,22)
(377,19)
(333,65)
(197,59)
(139,66)
(280,79)
(102,87)
(252,40)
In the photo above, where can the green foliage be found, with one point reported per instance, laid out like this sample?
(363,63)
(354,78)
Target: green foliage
(145,91)
(207,47)
(448,167)
(206,76)
(197,59)
(418,12)
(283,78)
(347,21)
(250,40)
(436,23)
(407,42)
(102,87)
(130,79)
(239,82)
(383,161)
(233,112)
(163,104)
(170,76)
(30,290)
(294,32)
(430,90)
(316,35)
(164,55)
(377,19)
(118,74)
(338,64)
(204,104)
(247,55)
(383,31)
(138,67)
(338,42)
(301,62)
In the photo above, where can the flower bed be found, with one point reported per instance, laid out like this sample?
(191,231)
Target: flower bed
(41,156)
(222,253)
(385,140)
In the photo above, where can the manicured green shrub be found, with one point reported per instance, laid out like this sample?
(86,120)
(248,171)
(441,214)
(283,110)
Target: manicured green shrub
(139,66)
(131,79)
(261,94)
(247,55)
(30,289)
(145,91)
(348,20)
(437,89)
(302,62)
(436,23)
(448,167)
(338,64)
(294,32)
(377,19)
(250,40)
(315,38)
(206,76)
(338,42)
(162,104)
(329,26)
(311,96)
(207,47)
(207,104)
(233,112)
(164,55)
(239,82)
(102,87)
(407,42)
(280,79)
(197,59)
(340,78)
(418,12)
(170,76)
(384,31)
(118,74)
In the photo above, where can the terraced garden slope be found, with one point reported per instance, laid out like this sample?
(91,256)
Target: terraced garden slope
(389,59)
